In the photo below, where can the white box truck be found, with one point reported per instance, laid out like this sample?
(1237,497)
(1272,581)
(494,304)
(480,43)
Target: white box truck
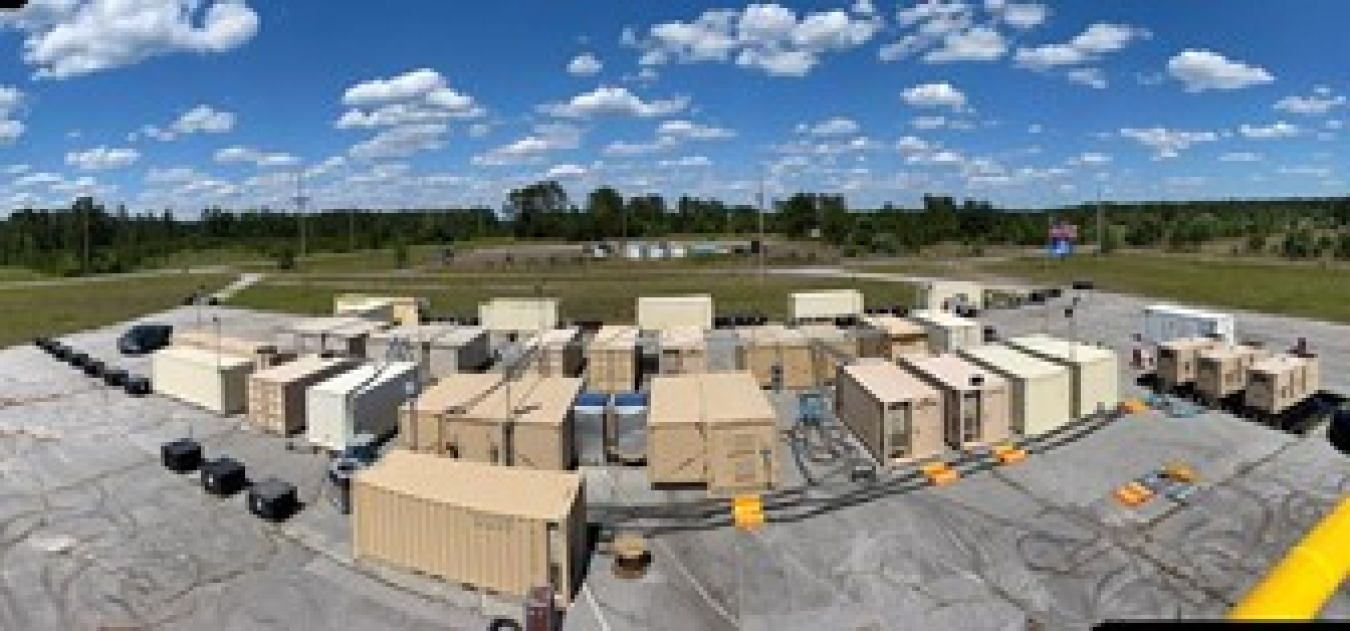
(1164,323)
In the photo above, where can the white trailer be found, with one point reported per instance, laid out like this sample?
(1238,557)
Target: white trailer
(365,399)
(1164,323)
(659,313)
(825,305)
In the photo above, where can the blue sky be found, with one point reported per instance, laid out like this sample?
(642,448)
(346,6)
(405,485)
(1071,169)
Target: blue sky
(179,103)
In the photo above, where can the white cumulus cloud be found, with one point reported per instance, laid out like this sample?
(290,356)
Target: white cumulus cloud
(1316,104)
(936,95)
(102,158)
(584,65)
(976,44)
(687,162)
(415,97)
(531,149)
(1202,70)
(67,38)
(614,101)
(401,141)
(1279,129)
(1168,143)
(1240,156)
(258,158)
(565,171)
(1091,77)
(689,130)
(1091,45)
(837,126)
(10,127)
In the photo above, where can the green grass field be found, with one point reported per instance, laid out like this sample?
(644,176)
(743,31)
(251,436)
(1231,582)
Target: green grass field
(26,312)
(1266,287)
(604,295)
(14,274)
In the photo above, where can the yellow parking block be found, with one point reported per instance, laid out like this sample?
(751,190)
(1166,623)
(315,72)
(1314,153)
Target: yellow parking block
(1008,455)
(1181,472)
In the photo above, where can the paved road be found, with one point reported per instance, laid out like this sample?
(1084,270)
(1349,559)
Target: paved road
(104,278)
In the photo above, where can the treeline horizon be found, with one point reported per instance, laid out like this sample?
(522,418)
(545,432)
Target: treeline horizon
(89,238)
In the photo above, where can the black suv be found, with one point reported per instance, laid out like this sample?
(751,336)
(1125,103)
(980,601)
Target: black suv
(144,338)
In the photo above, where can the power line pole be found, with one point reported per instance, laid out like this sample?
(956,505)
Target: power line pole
(351,230)
(300,202)
(1101,223)
(762,176)
(86,206)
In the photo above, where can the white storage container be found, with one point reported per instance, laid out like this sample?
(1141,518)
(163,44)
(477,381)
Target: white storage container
(826,305)
(1163,323)
(946,295)
(306,337)
(1096,373)
(440,349)
(949,333)
(658,313)
(519,314)
(212,380)
(1042,391)
(364,399)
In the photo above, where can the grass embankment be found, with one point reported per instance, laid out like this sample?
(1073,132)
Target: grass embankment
(15,274)
(608,294)
(1305,291)
(76,305)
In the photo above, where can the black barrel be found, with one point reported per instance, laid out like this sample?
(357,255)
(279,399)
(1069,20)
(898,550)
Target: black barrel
(1339,431)
(94,368)
(138,386)
(181,456)
(273,499)
(223,476)
(115,377)
(78,359)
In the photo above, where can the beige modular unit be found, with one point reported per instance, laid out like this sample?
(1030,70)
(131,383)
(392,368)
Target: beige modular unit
(494,529)
(1095,370)
(1042,391)
(712,429)
(349,340)
(1222,372)
(426,425)
(977,404)
(1178,359)
(1278,383)
(509,315)
(895,415)
(899,336)
(439,349)
(945,295)
(831,347)
(306,337)
(555,353)
(374,309)
(263,354)
(526,423)
(764,347)
(401,310)
(365,399)
(949,333)
(212,380)
(825,305)
(658,313)
(684,350)
(612,359)
(276,396)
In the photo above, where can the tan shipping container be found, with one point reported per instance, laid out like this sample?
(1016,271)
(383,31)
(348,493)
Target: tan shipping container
(424,427)
(684,350)
(948,333)
(712,429)
(526,423)
(264,354)
(763,347)
(438,349)
(831,347)
(508,315)
(555,353)
(895,415)
(977,404)
(658,313)
(809,306)
(899,336)
(495,529)
(306,337)
(1178,359)
(209,379)
(1221,372)
(1278,383)
(612,359)
(276,396)
(1094,370)
(400,310)
(1042,391)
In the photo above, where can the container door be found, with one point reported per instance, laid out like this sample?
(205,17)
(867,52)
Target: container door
(739,460)
(972,411)
(898,417)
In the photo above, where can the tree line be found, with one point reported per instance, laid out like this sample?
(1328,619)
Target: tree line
(90,238)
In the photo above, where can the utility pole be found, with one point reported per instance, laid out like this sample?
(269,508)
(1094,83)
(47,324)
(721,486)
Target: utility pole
(1101,223)
(760,204)
(300,202)
(351,230)
(87,206)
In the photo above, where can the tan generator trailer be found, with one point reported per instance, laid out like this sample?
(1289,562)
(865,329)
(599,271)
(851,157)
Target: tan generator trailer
(948,333)
(1278,383)
(307,335)
(209,379)
(1179,358)
(1094,370)
(276,396)
(423,425)
(895,415)
(946,295)
(1221,372)
(684,350)
(525,423)
(831,347)
(899,336)
(612,359)
(816,306)
(495,529)
(1042,391)
(976,403)
(658,313)
(264,354)
(554,353)
(400,310)
(763,348)
(439,349)
(519,315)
(712,429)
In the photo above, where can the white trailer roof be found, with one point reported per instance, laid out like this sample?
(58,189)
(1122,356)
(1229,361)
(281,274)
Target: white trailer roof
(1062,350)
(372,373)
(1012,362)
